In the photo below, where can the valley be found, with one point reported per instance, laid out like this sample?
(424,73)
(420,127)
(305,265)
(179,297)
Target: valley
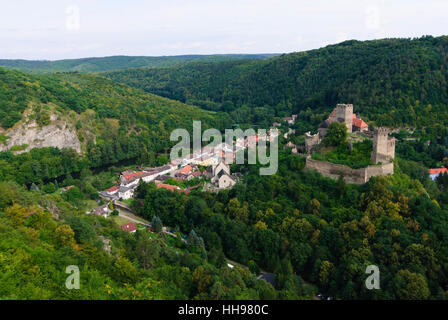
(86,177)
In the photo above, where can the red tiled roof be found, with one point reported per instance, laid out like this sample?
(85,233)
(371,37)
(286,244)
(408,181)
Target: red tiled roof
(69,187)
(129,227)
(172,188)
(185,170)
(438,171)
(132,175)
(115,188)
(167,186)
(358,122)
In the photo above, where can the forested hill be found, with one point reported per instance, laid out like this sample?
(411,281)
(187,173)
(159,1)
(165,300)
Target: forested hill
(392,81)
(118,62)
(112,121)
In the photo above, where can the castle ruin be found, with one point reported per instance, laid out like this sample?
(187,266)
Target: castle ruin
(383,146)
(382,155)
(343,113)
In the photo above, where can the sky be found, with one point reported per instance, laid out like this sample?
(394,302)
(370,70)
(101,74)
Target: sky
(66,29)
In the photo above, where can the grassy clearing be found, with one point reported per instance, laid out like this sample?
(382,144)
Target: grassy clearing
(358,157)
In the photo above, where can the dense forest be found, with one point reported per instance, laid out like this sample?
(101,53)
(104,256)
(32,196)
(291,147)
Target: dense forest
(393,82)
(314,234)
(297,223)
(118,62)
(40,235)
(113,122)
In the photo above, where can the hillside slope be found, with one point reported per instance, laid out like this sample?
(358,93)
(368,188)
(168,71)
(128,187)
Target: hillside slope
(112,122)
(117,62)
(392,81)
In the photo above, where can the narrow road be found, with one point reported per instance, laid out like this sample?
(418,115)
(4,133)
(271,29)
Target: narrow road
(132,219)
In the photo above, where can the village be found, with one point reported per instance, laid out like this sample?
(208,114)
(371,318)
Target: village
(209,168)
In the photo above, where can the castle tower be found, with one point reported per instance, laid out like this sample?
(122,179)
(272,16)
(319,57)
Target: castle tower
(383,146)
(344,114)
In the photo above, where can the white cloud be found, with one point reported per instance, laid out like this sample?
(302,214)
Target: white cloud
(49,30)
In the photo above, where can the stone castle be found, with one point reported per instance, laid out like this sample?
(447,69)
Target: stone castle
(343,113)
(382,155)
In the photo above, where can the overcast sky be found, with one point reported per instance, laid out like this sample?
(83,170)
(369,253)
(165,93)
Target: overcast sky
(61,29)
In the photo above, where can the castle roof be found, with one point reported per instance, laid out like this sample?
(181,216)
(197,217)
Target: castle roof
(359,123)
(438,171)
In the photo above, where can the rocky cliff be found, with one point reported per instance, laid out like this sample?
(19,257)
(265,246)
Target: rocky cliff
(27,134)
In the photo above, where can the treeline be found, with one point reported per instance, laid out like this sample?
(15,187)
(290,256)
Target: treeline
(297,223)
(117,62)
(392,82)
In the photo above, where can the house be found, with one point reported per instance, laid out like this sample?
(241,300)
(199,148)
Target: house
(131,179)
(223,180)
(147,175)
(221,176)
(125,193)
(220,166)
(68,188)
(434,173)
(129,227)
(184,172)
(112,190)
(277,124)
(101,211)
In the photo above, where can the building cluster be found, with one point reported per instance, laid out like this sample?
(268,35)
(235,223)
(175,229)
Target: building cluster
(186,168)
(183,169)
(343,113)
(129,181)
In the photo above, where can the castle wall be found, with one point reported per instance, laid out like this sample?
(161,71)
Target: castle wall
(379,170)
(351,176)
(311,141)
